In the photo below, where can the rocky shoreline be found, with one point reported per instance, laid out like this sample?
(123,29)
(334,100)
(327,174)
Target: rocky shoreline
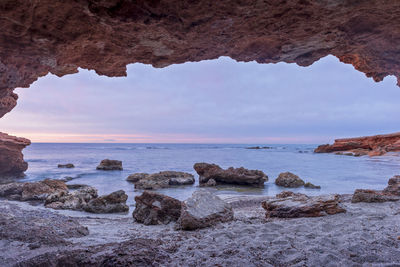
(367,233)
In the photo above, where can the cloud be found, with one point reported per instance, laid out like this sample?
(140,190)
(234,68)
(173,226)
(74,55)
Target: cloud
(210,101)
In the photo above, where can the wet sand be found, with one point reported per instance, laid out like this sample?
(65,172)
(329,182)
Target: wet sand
(366,235)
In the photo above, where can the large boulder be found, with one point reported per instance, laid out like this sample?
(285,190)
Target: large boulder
(288,179)
(296,206)
(154,208)
(110,165)
(75,200)
(111,203)
(136,177)
(164,179)
(238,176)
(203,209)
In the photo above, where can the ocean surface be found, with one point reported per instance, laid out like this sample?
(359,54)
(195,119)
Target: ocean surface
(334,173)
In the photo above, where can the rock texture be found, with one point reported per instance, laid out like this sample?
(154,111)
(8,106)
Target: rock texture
(111,203)
(164,179)
(203,209)
(12,162)
(68,166)
(288,179)
(133,178)
(110,165)
(41,37)
(295,206)
(154,208)
(212,174)
(376,145)
(390,193)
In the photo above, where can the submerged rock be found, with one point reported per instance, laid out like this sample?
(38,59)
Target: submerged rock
(258,147)
(203,209)
(238,176)
(164,179)
(110,165)
(288,179)
(302,206)
(136,177)
(68,165)
(111,203)
(154,208)
(311,186)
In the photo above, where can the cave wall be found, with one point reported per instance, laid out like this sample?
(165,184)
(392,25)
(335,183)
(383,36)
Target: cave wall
(42,36)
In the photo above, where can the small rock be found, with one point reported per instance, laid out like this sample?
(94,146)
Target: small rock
(393,187)
(110,165)
(285,194)
(136,177)
(203,209)
(111,203)
(154,208)
(68,165)
(288,179)
(371,196)
(311,186)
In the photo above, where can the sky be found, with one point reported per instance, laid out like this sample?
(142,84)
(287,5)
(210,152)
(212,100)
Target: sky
(213,101)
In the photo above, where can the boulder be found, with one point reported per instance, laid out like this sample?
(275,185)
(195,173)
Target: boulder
(111,203)
(136,177)
(68,165)
(370,196)
(302,206)
(203,209)
(393,187)
(110,165)
(238,176)
(164,179)
(288,179)
(154,208)
(76,200)
(32,190)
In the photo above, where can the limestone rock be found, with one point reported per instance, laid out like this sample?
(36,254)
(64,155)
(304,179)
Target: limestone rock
(42,189)
(154,208)
(110,165)
(111,203)
(371,196)
(164,179)
(76,200)
(288,179)
(238,176)
(203,209)
(302,206)
(133,178)
(12,162)
(393,187)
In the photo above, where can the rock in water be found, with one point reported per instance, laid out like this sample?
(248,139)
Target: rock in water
(76,200)
(110,165)
(154,208)
(370,196)
(164,179)
(68,165)
(12,162)
(302,206)
(311,186)
(238,176)
(112,203)
(136,177)
(288,179)
(203,209)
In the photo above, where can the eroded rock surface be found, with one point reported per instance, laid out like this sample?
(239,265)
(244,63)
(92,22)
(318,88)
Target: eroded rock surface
(288,179)
(238,176)
(203,209)
(390,193)
(135,177)
(296,206)
(12,162)
(154,208)
(110,165)
(376,145)
(111,203)
(164,179)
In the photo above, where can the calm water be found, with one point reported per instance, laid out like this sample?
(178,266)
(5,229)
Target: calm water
(335,174)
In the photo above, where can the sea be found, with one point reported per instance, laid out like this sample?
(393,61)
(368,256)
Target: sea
(334,173)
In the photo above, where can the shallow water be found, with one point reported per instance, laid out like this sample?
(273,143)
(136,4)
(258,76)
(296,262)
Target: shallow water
(335,174)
